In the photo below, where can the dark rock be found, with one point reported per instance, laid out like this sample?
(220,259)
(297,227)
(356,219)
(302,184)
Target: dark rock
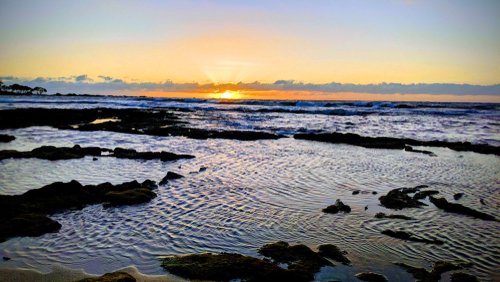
(423,194)
(94,159)
(4,138)
(395,216)
(398,199)
(339,206)
(463,277)
(170,176)
(133,154)
(355,192)
(129,197)
(227,266)
(458,196)
(117,276)
(423,275)
(366,208)
(333,252)
(394,143)
(372,277)
(202,169)
(25,215)
(407,236)
(374,193)
(6,258)
(442,203)
(410,149)
(297,257)
(482,202)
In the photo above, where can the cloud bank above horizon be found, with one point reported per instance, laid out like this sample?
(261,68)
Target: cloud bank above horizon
(83,84)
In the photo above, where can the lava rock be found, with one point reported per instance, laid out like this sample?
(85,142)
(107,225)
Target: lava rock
(372,277)
(398,199)
(339,206)
(4,138)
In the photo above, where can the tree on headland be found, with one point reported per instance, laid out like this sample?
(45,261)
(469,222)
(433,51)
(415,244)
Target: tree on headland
(17,89)
(40,90)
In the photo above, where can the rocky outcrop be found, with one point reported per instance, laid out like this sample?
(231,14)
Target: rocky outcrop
(424,194)
(370,276)
(333,252)
(25,215)
(442,203)
(409,237)
(170,176)
(4,138)
(394,143)
(117,276)
(398,198)
(337,207)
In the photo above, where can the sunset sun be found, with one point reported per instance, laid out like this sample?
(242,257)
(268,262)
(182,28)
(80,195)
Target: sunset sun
(227,95)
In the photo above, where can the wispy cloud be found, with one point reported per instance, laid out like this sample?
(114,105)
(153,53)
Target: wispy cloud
(85,84)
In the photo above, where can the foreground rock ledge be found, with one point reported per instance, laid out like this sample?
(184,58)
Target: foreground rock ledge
(156,122)
(395,143)
(302,262)
(76,152)
(117,276)
(25,215)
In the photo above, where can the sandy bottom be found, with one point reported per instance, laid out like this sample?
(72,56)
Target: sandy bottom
(63,274)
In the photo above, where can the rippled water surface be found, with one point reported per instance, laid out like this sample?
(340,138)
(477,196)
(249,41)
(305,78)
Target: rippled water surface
(253,193)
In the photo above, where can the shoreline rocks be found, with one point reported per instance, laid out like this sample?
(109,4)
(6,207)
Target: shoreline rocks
(423,275)
(395,143)
(333,252)
(398,199)
(117,276)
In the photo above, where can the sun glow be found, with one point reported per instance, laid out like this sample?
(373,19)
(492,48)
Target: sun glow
(227,95)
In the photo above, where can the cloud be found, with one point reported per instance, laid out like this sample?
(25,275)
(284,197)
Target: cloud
(82,78)
(106,78)
(84,84)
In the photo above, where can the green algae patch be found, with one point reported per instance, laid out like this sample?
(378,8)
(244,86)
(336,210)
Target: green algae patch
(423,275)
(229,266)
(333,252)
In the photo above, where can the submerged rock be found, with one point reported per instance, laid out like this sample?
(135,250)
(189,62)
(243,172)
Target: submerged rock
(228,266)
(6,258)
(133,154)
(372,277)
(398,198)
(333,252)
(407,236)
(395,216)
(458,196)
(463,277)
(339,206)
(297,257)
(25,215)
(117,276)
(442,203)
(410,149)
(170,176)
(355,192)
(4,138)
(423,275)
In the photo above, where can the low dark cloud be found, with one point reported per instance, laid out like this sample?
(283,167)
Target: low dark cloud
(81,84)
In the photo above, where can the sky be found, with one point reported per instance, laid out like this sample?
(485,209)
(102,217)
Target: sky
(356,49)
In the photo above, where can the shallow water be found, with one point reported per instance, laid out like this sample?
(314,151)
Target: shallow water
(254,193)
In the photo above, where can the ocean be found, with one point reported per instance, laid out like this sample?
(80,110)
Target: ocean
(257,192)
